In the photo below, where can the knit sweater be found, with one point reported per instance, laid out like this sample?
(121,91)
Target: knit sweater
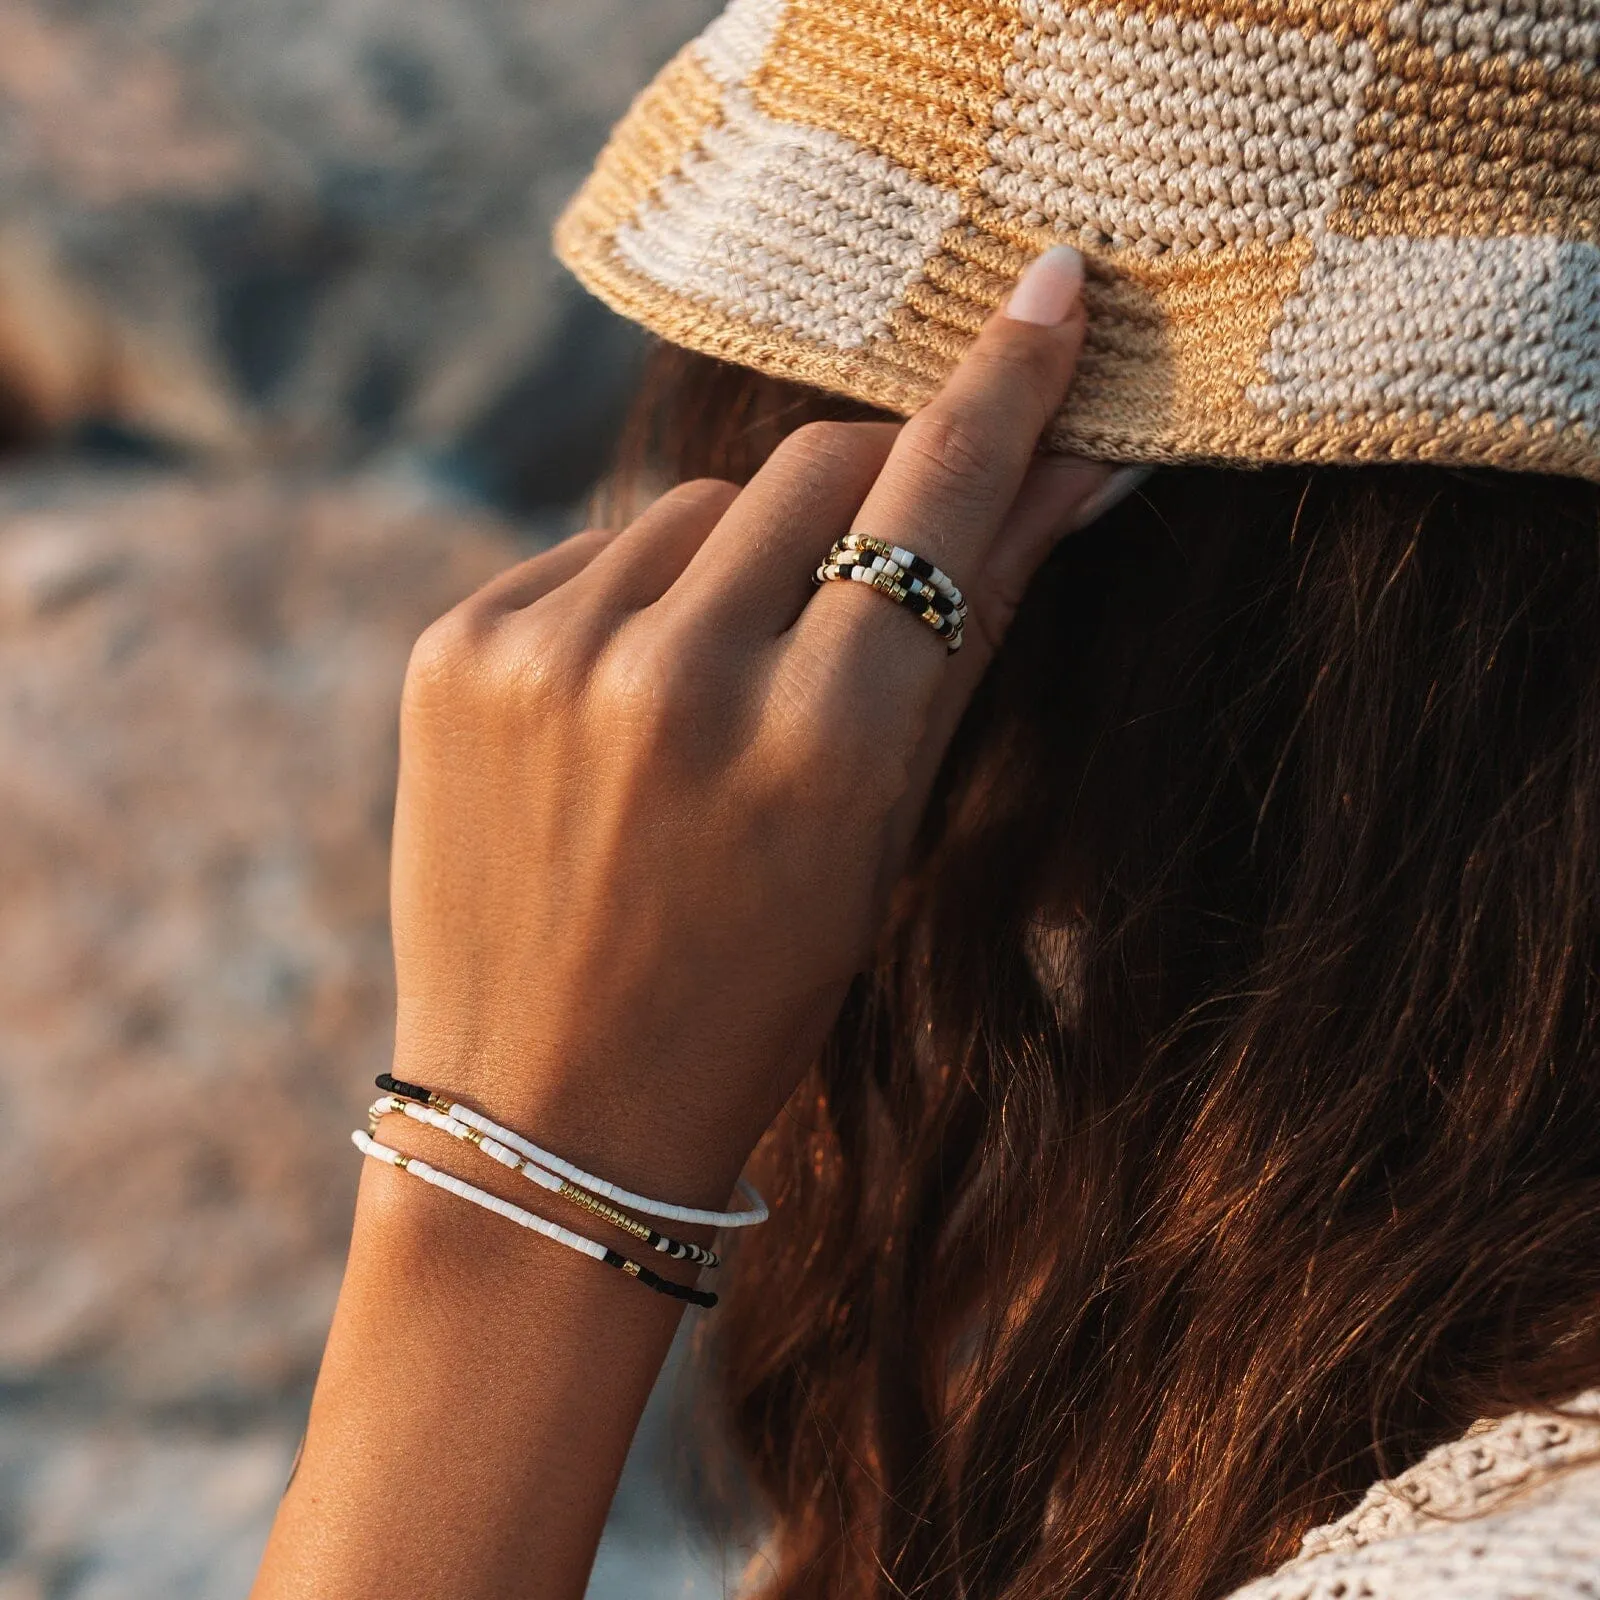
(1510,1511)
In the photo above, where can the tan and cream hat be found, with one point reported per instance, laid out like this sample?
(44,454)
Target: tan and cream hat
(1317,230)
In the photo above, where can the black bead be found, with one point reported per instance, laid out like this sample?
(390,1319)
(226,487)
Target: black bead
(406,1091)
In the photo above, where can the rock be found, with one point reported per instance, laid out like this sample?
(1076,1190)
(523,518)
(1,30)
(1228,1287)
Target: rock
(292,231)
(198,691)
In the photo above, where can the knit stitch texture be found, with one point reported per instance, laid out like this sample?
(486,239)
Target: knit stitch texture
(1317,230)
(1509,1512)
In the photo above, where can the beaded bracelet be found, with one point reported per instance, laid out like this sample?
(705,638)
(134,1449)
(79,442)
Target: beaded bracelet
(677,1249)
(370,1147)
(691,1215)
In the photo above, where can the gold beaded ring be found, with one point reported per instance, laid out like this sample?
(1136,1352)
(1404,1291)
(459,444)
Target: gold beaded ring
(899,575)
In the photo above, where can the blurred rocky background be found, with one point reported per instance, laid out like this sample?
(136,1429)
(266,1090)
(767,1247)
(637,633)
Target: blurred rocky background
(285,370)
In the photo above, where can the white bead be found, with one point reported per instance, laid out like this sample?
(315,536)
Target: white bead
(547,1170)
(479,1197)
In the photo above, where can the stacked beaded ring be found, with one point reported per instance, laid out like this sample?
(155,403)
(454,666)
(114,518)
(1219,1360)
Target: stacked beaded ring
(906,578)
(677,1249)
(370,1147)
(897,560)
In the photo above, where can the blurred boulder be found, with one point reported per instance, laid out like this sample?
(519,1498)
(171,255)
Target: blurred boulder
(308,230)
(198,693)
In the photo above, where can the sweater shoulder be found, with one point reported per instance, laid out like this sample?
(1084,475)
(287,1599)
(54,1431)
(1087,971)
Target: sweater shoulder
(1510,1511)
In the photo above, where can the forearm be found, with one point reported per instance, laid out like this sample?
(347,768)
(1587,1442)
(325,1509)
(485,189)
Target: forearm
(479,1392)
(653,795)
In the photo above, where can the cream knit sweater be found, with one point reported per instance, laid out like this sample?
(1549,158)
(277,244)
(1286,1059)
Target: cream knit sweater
(1491,1516)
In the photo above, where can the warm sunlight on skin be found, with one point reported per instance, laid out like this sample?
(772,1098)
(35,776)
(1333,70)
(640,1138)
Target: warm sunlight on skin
(654,788)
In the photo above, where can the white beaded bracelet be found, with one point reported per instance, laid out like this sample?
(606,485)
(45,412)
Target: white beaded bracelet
(370,1147)
(551,1163)
(677,1249)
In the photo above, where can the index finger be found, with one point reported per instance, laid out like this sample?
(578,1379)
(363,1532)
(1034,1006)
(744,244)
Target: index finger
(958,464)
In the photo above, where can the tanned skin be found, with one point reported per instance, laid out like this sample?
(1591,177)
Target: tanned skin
(654,790)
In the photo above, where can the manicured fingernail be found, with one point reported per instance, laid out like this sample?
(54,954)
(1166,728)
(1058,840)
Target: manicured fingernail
(1112,492)
(1048,289)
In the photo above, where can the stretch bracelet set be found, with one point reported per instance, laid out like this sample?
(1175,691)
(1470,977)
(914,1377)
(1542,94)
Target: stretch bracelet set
(507,1157)
(906,578)
(594,1195)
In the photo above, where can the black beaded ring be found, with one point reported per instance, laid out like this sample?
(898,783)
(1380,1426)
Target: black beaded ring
(948,628)
(917,566)
(847,562)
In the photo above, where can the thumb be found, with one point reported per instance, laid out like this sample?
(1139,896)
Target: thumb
(1059,495)
(1049,504)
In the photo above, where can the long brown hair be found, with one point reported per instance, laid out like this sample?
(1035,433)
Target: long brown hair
(1216,1129)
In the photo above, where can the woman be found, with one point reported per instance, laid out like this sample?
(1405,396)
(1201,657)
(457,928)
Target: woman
(1165,1029)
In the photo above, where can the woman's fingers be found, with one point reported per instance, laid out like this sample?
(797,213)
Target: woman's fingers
(650,554)
(1055,495)
(957,467)
(534,578)
(756,566)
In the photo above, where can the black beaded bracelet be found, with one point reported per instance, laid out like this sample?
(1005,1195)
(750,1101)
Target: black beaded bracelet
(676,1291)
(419,1169)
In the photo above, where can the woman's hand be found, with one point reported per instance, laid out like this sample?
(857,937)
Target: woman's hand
(653,792)
(654,787)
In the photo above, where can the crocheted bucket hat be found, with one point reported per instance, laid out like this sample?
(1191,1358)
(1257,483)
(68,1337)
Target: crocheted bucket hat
(1317,230)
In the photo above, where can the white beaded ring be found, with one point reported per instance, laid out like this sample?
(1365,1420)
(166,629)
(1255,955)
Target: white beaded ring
(677,1249)
(850,562)
(370,1147)
(948,628)
(694,1216)
(909,562)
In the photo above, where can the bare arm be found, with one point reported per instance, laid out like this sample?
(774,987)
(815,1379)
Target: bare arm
(653,793)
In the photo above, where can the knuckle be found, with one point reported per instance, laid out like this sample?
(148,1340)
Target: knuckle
(1026,370)
(444,652)
(710,496)
(641,683)
(469,659)
(836,761)
(821,444)
(540,653)
(954,448)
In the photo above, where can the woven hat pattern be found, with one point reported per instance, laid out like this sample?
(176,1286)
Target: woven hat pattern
(1316,230)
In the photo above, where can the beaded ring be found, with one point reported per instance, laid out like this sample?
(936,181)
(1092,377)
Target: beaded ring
(949,628)
(677,1249)
(916,566)
(370,1147)
(692,1215)
(850,562)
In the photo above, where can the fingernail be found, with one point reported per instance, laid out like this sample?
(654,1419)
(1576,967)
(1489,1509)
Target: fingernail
(1048,289)
(1112,492)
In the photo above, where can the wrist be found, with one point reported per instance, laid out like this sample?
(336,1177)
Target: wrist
(483,1378)
(433,1138)
(670,1137)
